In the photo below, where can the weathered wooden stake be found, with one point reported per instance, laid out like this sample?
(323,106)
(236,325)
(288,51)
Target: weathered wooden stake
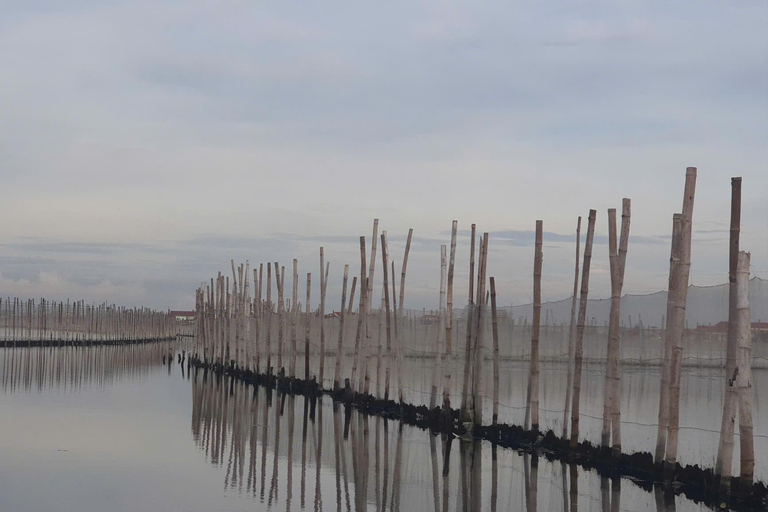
(572,333)
(579,347)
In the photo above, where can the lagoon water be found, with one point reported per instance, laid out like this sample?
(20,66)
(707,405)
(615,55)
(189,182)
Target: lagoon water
(111,428)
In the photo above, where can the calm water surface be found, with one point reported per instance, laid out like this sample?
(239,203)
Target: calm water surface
(111,428)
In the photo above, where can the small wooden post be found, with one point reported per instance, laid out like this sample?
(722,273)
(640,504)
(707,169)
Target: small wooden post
(572,333)
(579,347)
(307,327)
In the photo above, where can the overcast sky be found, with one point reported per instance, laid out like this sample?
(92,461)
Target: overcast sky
(143,144)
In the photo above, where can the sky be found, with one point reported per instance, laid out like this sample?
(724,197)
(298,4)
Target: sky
(145,144)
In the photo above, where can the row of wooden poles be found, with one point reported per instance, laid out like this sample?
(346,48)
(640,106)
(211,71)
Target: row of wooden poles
(235,330)
(58,322)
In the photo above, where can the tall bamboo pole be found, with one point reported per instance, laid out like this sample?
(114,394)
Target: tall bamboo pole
(449,318)
(307,326)
(436,376)
(295,311)
(579,346)
(479,326)
(385,273)
(678,325)
(744,365)
(533,376)
(572,333)
(468,346)
(360,312)
(495,324)
(323,277)
(340,347)
(663,421)
(723,466)
(612,390)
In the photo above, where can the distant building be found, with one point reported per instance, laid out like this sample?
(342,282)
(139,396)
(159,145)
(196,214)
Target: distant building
(183,316)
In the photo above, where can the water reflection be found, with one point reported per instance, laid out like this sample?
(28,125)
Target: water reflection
(372,463)
(71,367)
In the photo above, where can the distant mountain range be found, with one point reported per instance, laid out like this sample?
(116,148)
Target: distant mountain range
(707,305)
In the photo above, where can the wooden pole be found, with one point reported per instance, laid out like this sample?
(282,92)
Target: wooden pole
(307,327)
(579,346)
(360,312)
(744,365)
(572,333)
(323,277)
(678,324)
(295,311)
(352,295)
(663,421)
(449,319)
(495,323)
(339,347)
(612,390)
(436,376)
(724,461)
(468,347)
(533,376)
(385,273)
(477,376)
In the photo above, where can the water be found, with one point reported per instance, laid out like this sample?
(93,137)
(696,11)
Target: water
(111,428)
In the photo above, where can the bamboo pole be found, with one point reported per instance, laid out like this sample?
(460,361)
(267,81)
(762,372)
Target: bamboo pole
(612,388)
(385,274)
(495,323)
(339,347)
(722,466)
(400,313)
(323,277)
(295,310)
(572,333)
(360,312)
(744,365)
(372,263)
(479,327)
(468,346)
(436,375)
(663,421)
(352,295)
(579,346)
(307,326)
(678,325)
(449,318)
(532,406)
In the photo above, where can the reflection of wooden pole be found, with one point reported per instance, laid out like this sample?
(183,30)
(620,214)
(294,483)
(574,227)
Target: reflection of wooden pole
(724,461)
(572,334)
(579,347)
